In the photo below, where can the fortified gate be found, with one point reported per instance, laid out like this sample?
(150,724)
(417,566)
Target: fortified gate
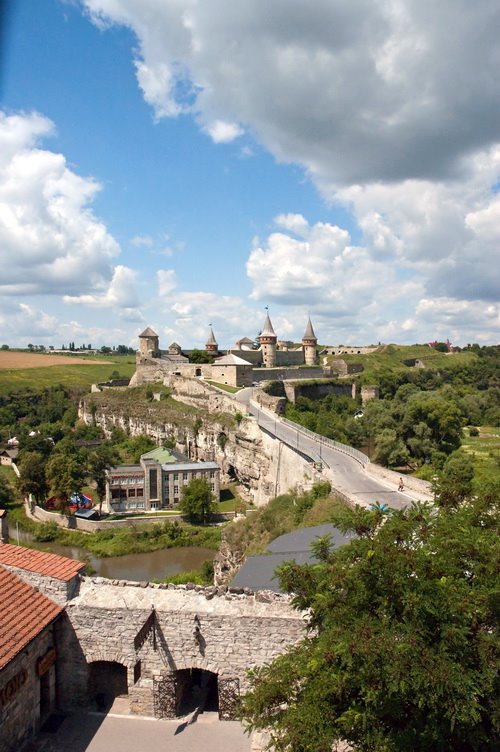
(171,649)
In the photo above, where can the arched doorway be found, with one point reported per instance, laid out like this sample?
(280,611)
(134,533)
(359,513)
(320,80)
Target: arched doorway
(107,681)
(196,688)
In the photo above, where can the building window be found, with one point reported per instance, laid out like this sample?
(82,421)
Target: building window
(185,476)
(176,476)
(131,492)
(140,492)
(176,490)
(153,484)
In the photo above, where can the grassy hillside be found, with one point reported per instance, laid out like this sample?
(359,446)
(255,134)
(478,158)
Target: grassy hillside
(389,359)
(78,375)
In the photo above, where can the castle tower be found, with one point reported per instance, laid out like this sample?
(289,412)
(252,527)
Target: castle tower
(268,341)
(149,346)
(309,343)
(211,345)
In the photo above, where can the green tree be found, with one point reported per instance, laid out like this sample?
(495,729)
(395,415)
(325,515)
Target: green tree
(197,501)
(66,471)
(390,449)
(32,478)
(6,492)
(454,484)
(99,462)
(402,651)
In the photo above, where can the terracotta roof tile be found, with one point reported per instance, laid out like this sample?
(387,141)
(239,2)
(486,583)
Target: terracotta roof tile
(24,614)
(42,562)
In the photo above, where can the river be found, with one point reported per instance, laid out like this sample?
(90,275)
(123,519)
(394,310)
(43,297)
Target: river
(153,565)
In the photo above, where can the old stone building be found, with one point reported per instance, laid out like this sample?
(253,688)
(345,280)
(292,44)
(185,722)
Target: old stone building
(68,642)
(34,587)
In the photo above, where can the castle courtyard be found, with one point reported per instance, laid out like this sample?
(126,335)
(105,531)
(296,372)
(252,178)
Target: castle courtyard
(92,732)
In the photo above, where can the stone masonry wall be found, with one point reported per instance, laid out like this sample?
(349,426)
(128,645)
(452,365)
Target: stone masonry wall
(207,628)
(20,693)
(58,590)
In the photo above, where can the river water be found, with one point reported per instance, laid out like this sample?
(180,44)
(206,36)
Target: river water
(154,565)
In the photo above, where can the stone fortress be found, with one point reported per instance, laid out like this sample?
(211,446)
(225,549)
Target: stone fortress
(69,642)
(236,367)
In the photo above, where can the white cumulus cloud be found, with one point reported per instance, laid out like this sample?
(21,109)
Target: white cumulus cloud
(50,241)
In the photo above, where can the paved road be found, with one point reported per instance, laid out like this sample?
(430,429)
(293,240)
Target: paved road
(346,474)
(97,733)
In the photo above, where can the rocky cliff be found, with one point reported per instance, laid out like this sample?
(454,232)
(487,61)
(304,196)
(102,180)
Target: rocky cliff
(262,465)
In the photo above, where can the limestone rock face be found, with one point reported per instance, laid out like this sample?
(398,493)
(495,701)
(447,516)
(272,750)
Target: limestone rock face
(262,465)
(226,564)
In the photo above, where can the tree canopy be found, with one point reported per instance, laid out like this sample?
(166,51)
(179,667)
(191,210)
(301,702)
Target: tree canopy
(402,646)
(197,501)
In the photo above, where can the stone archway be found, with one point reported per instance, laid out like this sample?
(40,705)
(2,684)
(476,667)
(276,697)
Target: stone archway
(196,689)
(107,680)
(190,687)
(110,674)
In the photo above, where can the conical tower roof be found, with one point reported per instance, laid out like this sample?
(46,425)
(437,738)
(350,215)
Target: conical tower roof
(309,332)
(268,330)
(211,338)
(148,333)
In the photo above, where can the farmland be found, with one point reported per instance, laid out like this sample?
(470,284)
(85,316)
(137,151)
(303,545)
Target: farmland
(25,370)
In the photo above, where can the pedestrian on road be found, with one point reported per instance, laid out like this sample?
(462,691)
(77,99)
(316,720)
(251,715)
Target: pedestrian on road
(401,486)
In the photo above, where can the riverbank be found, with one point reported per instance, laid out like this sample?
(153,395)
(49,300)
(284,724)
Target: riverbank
(131,539)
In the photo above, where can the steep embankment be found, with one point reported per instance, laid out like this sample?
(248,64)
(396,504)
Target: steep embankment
(214,429)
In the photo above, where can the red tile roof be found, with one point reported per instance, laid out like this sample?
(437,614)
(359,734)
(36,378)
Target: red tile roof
(24,614)
(50,565)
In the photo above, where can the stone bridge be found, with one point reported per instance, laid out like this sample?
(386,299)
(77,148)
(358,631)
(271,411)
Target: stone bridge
(169,648)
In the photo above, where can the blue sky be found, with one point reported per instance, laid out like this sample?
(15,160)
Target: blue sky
(178,164)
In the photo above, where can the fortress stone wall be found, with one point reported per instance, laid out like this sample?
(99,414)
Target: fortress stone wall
(156,631)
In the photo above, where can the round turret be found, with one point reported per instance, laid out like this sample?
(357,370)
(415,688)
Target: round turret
(309,343)
(268,340)
(211,345)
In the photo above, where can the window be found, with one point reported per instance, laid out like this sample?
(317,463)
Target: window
(140,492)
(176,476)
(176,490)
(131,492)
(153,483)
(185,476)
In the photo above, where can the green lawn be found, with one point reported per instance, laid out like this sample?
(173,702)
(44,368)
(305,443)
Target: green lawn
(79,376)
(485,452)
(225,387)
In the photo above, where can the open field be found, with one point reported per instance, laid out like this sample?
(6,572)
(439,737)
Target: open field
(485,452)
(14,359)
(24,370)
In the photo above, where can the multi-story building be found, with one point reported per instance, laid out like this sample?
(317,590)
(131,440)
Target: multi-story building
(156,482)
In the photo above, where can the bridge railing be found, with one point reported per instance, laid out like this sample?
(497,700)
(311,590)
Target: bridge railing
(324,441)
(316,437)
